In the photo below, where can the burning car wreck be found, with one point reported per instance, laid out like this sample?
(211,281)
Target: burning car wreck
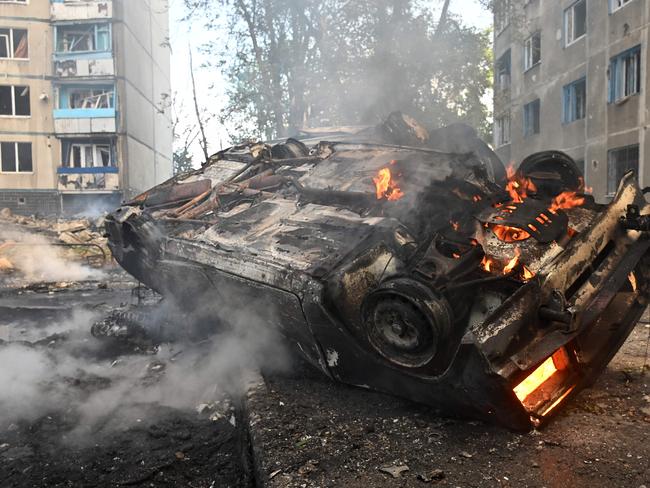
(406,261)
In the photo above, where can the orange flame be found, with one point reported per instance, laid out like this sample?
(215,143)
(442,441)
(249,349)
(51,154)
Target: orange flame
(566,200)
(559,361)
(486,263)
(508,268)
(527,274)
(386,187)
(518,186)
(509,234)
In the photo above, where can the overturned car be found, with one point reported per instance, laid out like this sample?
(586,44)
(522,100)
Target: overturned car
(406,261)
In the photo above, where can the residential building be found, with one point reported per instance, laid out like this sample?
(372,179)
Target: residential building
(572,75)
(84,103)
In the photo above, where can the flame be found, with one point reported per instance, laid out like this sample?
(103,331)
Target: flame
(455,225)
(557,362)
(527,274)
(509,234)
(632,278)
(512,264)
(518,186)
(566,200)
(486,264)
(386,187)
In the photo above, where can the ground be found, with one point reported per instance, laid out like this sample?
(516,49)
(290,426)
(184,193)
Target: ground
(84,420)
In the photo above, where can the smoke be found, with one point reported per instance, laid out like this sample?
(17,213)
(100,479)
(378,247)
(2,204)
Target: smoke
(38,260)
(61,367)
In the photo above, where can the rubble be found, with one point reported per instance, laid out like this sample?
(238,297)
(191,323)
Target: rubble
(405,260)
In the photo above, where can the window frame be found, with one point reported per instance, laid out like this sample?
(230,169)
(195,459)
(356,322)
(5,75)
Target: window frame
(529,112)
(610,153)
(613,74)
(96,155)
(16,157)
(96,28)
(569,94)
(13,102)
(613,9)
(499,140)
(497,71)
(571,8)
(529,58)
(11,44)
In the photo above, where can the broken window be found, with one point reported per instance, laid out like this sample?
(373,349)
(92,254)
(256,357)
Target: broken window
(83,38)
(16,157)
(625,74)
(619,162)
(13,44)
(575,22)
(90,98)
(503,71)
(502,130)
(87,154)
(532,50)
(531,118)
(14,100)
(574,103)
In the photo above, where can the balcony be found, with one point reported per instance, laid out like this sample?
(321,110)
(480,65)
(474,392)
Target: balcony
(85,109)
(85,65)
(101,179)
(66,10)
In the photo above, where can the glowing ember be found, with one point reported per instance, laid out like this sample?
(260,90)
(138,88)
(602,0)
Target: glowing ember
(486,264)
(632,278)
(527,274)
(509,234)
(557,362)
(566,200)
(518,186)
(455,225)
(386,187)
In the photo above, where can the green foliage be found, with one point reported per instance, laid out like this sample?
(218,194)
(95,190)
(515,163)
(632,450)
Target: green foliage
(182,160)
(311,63)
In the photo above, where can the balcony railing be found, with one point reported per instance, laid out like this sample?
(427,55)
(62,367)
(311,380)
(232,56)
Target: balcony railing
(105,178)
(85,120)
(62,10)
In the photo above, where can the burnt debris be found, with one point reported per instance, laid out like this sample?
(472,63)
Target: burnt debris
(405,260)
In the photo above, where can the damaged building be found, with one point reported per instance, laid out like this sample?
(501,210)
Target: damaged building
(85,122)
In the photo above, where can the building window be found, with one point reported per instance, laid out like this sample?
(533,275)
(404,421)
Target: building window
(575,22)
(16,157)
(503,71)
(502,130)
(88,153)
(619,162)
(86,97)
(616,4)
(14,100)
(574,103)
(501,15)
(13,1)
(531,118)
(625,74)
(13,44)
(532,50)
(83,38)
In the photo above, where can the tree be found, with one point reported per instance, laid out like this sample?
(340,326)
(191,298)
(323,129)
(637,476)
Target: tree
(297,63)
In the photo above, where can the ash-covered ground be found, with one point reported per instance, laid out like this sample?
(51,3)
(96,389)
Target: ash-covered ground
(78,410)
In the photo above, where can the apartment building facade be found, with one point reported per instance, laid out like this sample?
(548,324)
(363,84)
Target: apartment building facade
(84,103)
(572,75)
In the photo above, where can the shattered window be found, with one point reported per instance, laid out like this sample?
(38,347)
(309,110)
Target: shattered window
(13,44)
(619,162)
(532,50)
(625,74)
(14,100)
(16,157)
(575,22)
(616,4)
(502,130)
(91,98)
(87,155)
(531,118)
(575,101)
(503,71)
(83,38)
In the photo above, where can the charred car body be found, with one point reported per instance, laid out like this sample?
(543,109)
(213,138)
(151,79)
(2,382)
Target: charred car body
(406,261)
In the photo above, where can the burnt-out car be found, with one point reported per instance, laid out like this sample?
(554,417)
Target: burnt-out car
(405,260)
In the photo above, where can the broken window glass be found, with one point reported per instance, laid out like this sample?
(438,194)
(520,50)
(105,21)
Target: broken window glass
(83,38)
(13,44)
(91,98)
(104,155)
(87,155)
(14,100)
(21,95)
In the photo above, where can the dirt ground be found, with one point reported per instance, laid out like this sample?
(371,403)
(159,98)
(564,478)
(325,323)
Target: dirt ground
(309,432)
